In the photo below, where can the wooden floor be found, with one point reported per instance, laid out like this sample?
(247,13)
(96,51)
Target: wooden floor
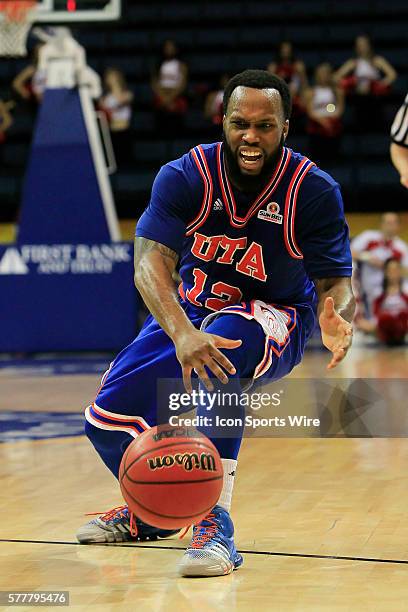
(322,523)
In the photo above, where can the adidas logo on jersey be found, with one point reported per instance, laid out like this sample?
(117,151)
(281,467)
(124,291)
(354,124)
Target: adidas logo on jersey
(218,205)
(271,213)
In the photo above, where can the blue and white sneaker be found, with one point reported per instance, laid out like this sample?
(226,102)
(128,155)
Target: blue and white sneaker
(212,550)
(119,525)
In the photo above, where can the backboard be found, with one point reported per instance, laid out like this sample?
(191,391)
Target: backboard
(69,11)
(17,17)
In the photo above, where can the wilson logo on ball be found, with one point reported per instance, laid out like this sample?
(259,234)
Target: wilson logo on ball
(188,461)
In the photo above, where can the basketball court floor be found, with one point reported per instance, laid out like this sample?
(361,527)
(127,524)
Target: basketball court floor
(322,523)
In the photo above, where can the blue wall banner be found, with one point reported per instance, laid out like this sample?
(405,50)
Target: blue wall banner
(66,297)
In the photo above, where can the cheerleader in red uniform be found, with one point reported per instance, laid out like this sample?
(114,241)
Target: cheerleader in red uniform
(391,308)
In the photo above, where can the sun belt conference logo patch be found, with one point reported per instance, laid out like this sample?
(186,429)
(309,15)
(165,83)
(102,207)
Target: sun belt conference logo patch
(271,213)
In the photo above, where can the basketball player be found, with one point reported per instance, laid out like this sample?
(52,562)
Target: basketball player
(262,245)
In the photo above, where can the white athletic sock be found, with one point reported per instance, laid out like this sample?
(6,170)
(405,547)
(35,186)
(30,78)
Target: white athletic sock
(229,466)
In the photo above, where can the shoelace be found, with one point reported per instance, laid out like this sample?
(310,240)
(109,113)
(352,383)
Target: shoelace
(183,532)
(110,514)
(205,532)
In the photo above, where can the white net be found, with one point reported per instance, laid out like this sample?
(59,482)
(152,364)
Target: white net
(16,18)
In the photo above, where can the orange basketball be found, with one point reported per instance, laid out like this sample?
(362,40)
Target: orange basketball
(171,477)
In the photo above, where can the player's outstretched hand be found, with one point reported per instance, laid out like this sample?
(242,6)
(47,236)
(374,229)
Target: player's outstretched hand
(197,350)
(337,333)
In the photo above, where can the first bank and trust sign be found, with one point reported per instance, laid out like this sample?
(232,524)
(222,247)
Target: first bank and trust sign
(65,258)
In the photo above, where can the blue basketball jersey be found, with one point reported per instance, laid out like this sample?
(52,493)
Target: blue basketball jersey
(235,247)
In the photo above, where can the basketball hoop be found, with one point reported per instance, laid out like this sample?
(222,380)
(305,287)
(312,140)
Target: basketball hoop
(15,22)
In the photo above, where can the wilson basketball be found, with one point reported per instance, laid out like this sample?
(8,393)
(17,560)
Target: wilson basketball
(171,477)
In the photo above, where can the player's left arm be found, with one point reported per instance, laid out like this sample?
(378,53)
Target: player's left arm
(323,238)
(335,311)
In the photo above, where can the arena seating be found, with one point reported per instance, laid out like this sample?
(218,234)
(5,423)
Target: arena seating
(227,37)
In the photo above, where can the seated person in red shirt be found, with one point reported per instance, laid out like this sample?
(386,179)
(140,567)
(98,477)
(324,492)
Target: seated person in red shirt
(390,321)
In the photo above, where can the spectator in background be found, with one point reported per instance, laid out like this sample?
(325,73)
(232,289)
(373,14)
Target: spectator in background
(390,309)
(370,251)
(30,82)
(324,107)
(367,78)
(293,71)
(399,144)
(117,104)
(213,109)
(6,121)
(169,85)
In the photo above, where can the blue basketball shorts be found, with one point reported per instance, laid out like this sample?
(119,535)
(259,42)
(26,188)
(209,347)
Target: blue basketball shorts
(273,342)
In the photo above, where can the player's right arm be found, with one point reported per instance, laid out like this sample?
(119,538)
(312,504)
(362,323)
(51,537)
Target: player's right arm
(155,265)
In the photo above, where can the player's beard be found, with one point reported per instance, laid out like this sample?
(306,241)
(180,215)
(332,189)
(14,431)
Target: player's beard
(247,182)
